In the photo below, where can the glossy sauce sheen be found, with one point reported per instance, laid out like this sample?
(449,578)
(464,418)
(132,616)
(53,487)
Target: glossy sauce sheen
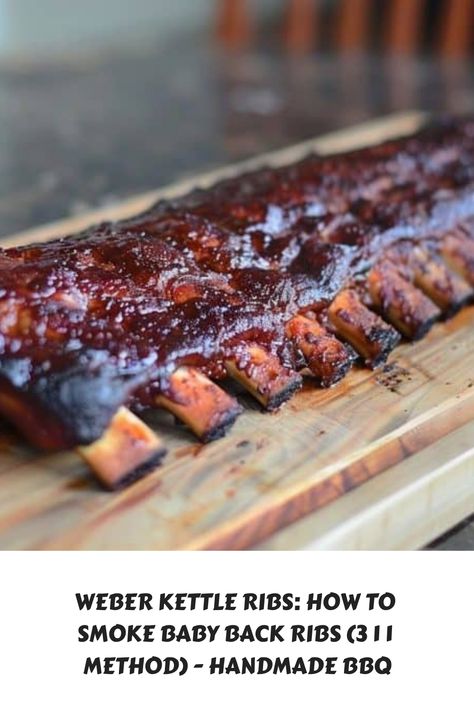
(102,318)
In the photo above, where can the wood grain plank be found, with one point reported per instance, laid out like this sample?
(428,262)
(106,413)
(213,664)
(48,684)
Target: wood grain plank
(402,509)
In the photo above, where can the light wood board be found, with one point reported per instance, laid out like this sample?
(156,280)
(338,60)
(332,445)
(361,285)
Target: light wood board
(393,451)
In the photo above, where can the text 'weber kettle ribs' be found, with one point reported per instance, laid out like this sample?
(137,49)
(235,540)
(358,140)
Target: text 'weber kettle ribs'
(303,268)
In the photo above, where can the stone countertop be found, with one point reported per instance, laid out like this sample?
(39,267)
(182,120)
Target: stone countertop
(86,131)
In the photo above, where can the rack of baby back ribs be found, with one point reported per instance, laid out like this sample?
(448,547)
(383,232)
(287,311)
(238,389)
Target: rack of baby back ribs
(300,269)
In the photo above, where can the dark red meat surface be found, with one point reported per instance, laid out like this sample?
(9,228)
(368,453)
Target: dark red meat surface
(94,320)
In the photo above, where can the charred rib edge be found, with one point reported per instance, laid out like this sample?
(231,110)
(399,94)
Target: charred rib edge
(447,289)
(201,404)
(458,252)
(265,378)
(402,304)
(127,450)
(371,337)
(327,358)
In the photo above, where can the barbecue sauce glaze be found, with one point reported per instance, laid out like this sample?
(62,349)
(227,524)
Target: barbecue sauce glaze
(104,317)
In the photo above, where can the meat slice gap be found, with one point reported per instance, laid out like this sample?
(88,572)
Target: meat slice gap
(371,337)
(262,374)
(208,410)
(126,451)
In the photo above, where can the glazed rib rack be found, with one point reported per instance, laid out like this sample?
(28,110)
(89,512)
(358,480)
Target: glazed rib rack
(263,278)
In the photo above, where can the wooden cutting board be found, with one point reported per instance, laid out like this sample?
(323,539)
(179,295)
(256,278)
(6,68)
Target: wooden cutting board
(393,450)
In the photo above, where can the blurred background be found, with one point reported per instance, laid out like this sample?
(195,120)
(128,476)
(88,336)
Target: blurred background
(100,99)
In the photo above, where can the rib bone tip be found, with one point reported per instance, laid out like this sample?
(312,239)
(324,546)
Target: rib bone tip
(126,451)
(328,359)
(371,337)
(208,410)
(263,376)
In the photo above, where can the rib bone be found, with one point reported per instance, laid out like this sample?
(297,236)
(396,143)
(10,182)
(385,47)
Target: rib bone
(127,450)
(444,287)
(327,358)
(201,404)
(262,374)
(401,303)
(458,251)
(372,338)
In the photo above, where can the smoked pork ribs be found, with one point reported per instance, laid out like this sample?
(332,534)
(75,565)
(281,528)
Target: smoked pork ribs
(298,269)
